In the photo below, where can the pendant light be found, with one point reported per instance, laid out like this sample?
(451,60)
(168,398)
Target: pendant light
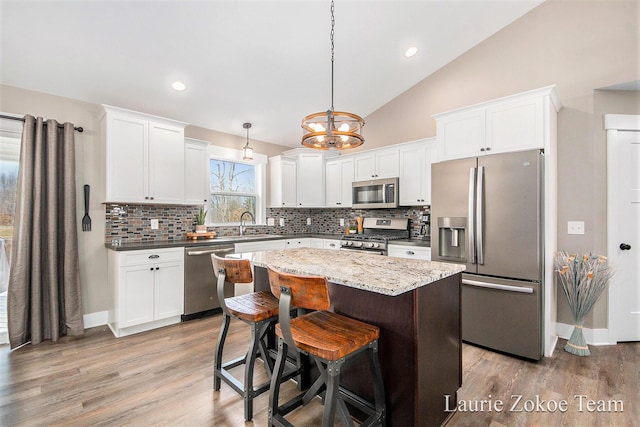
(247,150)
(332,129)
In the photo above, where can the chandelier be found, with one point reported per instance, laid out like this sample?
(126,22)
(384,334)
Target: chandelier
(332,129)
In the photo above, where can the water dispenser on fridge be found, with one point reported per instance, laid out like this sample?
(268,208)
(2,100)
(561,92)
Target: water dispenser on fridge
(451,234)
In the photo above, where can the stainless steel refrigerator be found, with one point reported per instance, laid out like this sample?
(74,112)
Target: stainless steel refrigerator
(487,212)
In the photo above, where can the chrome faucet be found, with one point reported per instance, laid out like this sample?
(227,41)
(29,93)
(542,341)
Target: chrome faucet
(242,227)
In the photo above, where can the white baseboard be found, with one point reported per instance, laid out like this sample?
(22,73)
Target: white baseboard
(553,342)
(91,320)
(592,336)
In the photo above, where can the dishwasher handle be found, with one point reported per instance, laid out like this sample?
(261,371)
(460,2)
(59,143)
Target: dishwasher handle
(208,251)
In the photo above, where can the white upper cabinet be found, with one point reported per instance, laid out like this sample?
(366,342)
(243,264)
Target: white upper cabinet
(145,158)
(514,123)
(196,184)
(461,135)
(310,192)
(376,164)
(282,182)
(166,163)
(297,180)
(515,126)
(415,172)
(339,174)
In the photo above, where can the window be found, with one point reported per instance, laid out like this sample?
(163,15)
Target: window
(10,135)
(233,190)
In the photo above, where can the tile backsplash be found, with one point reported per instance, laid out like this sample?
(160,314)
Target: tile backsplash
(132,222)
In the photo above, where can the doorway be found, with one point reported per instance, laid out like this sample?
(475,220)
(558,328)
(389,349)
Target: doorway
(623,225)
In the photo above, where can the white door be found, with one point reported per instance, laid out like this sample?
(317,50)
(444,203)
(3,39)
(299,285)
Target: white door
(623,151)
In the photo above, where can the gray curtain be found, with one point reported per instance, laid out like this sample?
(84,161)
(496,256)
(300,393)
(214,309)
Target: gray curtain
(44,300)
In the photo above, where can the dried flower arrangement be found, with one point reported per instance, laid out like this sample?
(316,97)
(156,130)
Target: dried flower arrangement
(583,279)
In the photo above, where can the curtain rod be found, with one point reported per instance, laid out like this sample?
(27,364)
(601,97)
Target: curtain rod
(2,116)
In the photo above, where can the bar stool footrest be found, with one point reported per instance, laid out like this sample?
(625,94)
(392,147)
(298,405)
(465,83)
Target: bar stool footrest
(238,386)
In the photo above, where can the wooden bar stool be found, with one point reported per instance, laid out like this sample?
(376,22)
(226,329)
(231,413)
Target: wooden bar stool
(259,310)
(331,340)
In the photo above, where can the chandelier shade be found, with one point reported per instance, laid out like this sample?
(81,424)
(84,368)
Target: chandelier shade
(332,129)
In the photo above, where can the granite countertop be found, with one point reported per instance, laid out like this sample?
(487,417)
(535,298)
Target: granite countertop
(189,243)
(384,275)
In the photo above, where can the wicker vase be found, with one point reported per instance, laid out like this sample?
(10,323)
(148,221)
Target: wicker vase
(577,344)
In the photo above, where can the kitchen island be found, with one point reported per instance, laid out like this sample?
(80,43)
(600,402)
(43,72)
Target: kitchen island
(416,305)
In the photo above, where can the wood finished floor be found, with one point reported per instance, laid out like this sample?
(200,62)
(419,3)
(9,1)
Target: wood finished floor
(163,378)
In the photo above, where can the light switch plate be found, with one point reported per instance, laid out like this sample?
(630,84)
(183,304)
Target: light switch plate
(308,221)
(281,222)
(154,224)
(341,222)
(575,227)
(271,221)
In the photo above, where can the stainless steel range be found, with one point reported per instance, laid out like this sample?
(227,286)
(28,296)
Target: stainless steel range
(376,233)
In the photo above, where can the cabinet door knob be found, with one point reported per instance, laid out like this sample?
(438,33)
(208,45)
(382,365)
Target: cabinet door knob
(488,148)
(157,268)
(151,269)
(146,197)
(482,149)
(151,198)
(625,246)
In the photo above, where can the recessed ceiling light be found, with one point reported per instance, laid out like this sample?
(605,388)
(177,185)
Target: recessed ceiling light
(411,51)
(179,86)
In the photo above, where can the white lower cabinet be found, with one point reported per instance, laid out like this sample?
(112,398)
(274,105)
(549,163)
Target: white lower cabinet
(263,245)
(303,242)
(319,243)
(147,288)
(331,244)
(409,252)
(316,243)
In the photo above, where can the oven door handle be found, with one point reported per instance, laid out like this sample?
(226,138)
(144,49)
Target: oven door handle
(363,251)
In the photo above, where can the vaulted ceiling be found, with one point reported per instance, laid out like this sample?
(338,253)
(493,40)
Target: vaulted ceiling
(265,62)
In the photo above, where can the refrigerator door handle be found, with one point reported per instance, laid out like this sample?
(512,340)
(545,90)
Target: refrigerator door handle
(524,290)
(479,211)
(472,196)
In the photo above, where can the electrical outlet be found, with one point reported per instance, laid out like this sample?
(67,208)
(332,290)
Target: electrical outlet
(154,224)
(341,222)
(575,227)
(271,221)
(308,221)
(281,222)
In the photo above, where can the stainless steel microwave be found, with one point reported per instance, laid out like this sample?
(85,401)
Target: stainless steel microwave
(375,193)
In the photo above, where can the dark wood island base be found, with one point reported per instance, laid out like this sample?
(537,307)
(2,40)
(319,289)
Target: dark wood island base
(420,347)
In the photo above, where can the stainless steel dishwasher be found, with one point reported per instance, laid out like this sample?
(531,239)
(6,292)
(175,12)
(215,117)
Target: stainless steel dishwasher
(200,298)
